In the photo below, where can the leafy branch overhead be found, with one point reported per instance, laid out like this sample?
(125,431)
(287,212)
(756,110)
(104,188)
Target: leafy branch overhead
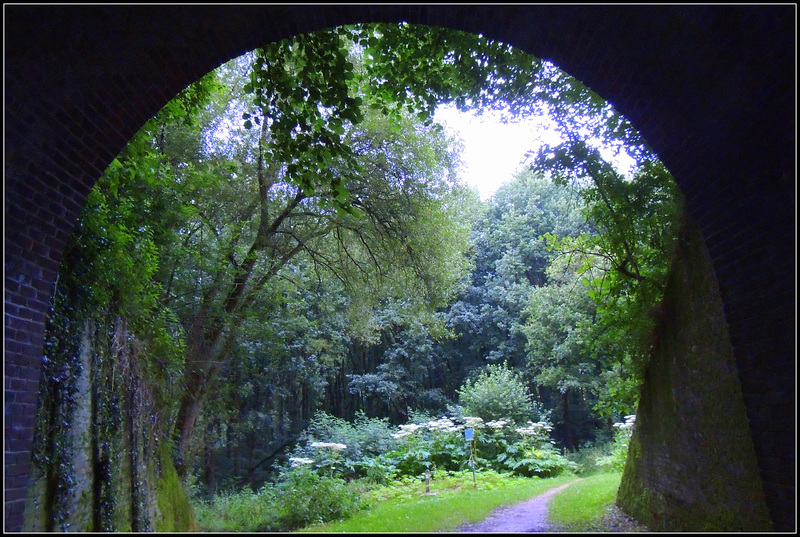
(310,89)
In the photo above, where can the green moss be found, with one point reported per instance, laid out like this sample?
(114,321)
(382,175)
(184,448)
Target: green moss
(176,513)
(35,517)
(691,464)
(121,481)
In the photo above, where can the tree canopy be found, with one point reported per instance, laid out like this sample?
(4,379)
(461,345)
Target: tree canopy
(290,234)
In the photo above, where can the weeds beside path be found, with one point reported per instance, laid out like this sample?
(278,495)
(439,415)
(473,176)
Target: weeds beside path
(445,509)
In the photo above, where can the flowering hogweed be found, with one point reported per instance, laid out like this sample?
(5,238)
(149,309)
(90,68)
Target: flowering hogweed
(474,423)
(619,452)
(407,429)
(503,447)
(497,424)
(444,425)
(535,428)
(329,445)
(630,421)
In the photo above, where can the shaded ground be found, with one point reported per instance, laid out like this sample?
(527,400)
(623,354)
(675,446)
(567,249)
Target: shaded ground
(530,516)
(616,521)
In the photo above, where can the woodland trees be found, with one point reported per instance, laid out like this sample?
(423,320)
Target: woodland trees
(315,173)
(289,235)
(622,264)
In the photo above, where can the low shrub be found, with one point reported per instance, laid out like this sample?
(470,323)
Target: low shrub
(300,498)
(306,497)
(615,461)
(591,460)
(245,510)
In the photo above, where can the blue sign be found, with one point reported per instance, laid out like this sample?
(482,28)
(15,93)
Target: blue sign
(468,434)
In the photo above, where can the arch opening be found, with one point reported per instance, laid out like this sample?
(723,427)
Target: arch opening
(24,266)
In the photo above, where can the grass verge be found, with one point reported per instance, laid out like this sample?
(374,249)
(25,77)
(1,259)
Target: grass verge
(452,503)
(582,506)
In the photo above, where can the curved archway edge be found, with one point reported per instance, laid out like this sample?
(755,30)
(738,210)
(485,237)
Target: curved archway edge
(710,88)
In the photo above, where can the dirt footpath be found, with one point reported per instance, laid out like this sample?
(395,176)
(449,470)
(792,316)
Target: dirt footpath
(526,517)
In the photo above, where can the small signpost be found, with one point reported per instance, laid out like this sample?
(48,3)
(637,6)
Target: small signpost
(469,436)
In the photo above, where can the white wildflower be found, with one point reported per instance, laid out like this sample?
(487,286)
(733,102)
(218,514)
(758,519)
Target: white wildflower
(630,421)
(298,461)
(329,445)
(442,424)
(497,424)
(406,430)
(534,428)
(474,423)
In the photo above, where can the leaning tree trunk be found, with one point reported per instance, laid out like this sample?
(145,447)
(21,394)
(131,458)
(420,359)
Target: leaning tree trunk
(189,410)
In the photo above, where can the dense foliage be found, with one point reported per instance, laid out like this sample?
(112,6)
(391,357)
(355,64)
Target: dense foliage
(497,393)
(298,268)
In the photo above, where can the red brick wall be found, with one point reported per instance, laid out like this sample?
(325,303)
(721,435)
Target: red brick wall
(711,89)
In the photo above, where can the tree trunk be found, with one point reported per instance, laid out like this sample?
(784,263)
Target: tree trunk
(237,464)
(210,474)
(191,404)
(251,444)
(569,437)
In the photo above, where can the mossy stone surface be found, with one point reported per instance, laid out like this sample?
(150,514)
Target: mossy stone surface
(691,463)
(174,511)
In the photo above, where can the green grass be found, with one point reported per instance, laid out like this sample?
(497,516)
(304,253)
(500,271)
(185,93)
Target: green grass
(581,506)
(453,502)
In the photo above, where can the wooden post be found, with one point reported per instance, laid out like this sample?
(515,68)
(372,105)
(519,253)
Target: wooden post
(472,461)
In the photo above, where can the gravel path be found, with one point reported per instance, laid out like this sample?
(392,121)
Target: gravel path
(529,516)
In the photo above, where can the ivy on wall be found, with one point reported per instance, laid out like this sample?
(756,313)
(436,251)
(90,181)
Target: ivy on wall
(97,438)
(112,351)
(53,448)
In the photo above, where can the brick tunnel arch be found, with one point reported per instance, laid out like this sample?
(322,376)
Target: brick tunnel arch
(710,88)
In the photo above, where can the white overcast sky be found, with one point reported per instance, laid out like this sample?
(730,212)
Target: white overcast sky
(493,151)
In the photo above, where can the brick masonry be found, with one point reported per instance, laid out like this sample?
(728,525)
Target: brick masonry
(710,87)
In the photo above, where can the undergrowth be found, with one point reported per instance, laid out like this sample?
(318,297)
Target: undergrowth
(454,500)
(331,483)
(363,506)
